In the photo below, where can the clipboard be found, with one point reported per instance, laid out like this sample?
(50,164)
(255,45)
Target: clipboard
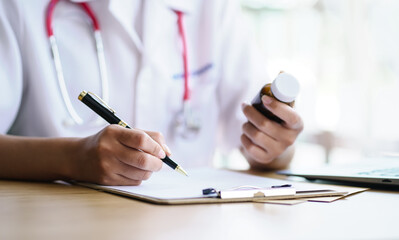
(168,188)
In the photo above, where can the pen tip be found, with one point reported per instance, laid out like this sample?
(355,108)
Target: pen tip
(181,170)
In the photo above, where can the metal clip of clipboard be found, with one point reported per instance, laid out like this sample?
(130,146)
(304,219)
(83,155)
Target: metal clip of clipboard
(251,192)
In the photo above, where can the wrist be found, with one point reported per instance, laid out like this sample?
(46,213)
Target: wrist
(278,163)
(71,152)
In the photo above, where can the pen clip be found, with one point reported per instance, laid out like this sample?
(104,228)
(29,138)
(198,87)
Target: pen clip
(102,102)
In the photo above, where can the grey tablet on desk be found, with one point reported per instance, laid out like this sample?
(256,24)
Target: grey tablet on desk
(380,171)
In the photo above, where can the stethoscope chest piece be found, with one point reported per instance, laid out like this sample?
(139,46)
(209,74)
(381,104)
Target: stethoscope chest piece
(187,124)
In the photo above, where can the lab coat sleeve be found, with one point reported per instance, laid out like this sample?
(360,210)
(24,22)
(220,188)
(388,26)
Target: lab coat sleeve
(10,65)
(243,73)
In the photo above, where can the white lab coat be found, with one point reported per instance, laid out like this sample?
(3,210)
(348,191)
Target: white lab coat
(144,67)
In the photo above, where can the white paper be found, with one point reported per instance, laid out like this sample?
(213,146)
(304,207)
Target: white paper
(168,184)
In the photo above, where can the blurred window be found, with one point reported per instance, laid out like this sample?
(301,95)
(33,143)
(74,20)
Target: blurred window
(345,53)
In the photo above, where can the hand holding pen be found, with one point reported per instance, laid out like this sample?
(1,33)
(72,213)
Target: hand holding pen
(133,153)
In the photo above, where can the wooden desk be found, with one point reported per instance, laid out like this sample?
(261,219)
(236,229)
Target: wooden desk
(54,211)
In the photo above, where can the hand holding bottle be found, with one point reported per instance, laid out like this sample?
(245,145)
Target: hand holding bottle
(273,125)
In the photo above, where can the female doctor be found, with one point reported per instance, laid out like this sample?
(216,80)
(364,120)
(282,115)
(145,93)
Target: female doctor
(180,69)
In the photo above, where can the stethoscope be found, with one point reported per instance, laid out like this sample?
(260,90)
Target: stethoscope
(186,123)
(76,119)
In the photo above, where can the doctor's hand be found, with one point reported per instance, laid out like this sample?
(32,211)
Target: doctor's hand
(111,157)
(267,144)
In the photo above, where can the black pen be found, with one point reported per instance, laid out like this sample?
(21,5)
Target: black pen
(108,114)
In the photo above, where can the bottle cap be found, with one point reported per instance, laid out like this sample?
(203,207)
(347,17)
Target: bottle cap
(285,87)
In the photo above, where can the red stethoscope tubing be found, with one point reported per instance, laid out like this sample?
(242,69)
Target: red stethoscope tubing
(57,61)
(182,34)
(50,11)
(96,26)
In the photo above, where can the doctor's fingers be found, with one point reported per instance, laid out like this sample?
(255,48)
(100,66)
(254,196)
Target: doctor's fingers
(124,181)
(269,127)
(271,146)
(159,138)
(139,159)
(254,151)
(115,179)
(138,139)
(114,170)
(106,171)
(133,173)
(291,118)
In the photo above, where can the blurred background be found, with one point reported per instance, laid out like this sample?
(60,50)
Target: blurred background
(345,54)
